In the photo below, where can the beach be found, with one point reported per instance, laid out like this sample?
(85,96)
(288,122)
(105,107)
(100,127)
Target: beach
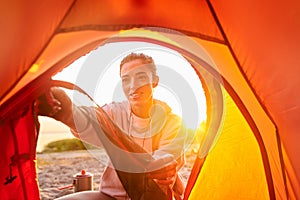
(56,170)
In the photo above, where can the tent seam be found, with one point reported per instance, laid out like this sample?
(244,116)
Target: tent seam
(39,83)
(117,27)
(192,180)
(258,98)
(38,55)
(249,120)
(15,141)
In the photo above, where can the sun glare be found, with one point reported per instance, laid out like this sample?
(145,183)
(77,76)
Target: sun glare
(179,85)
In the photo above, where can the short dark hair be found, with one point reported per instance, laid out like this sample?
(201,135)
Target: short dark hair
(139,56)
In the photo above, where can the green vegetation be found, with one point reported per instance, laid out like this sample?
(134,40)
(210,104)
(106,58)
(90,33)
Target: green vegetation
(66,145)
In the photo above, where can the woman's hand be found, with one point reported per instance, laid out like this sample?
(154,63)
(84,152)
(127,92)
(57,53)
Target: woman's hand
(48,105)
(56,103)
(163,170)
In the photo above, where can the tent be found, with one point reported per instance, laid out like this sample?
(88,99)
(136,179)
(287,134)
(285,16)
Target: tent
(253,44)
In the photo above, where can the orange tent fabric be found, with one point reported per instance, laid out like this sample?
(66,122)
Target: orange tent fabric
(254,45)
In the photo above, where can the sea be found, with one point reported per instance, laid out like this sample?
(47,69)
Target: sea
(47,137)
(51,130)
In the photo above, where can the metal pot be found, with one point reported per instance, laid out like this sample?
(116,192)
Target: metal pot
(83,181)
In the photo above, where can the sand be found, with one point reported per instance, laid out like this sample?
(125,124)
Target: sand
(56,170)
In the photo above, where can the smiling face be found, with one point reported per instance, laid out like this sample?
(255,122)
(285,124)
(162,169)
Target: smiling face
(138,81)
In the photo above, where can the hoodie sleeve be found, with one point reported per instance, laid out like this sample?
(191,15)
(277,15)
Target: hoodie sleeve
(85,119)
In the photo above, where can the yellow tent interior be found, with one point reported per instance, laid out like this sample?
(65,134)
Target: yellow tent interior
(254,49)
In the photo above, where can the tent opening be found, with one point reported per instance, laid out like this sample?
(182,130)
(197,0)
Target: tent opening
(98,74)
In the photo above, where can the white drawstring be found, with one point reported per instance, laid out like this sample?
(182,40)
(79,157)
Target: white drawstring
(131,121)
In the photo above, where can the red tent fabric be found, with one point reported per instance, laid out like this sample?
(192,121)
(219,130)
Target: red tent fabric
(18,146)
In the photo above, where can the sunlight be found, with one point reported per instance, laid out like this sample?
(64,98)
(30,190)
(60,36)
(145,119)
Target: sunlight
(179,85)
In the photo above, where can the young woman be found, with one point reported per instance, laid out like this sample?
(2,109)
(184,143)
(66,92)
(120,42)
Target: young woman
(148,121)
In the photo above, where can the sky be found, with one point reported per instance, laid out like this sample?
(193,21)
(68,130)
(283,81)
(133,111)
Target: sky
(98,74)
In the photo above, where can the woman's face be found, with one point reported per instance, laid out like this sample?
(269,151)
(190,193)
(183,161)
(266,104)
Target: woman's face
(138,82)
